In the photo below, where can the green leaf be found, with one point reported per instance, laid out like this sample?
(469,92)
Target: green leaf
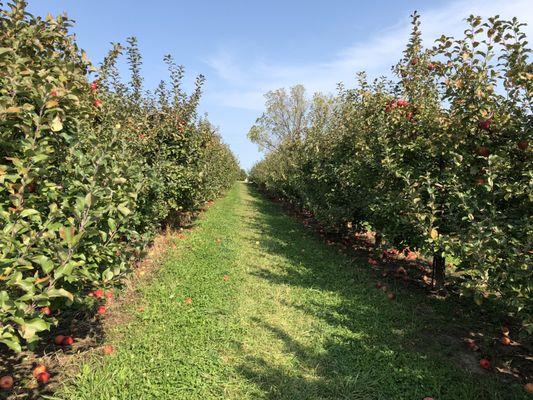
(60,293)
(124,210)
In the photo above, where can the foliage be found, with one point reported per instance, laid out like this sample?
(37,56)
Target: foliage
(436,159)
(88,171)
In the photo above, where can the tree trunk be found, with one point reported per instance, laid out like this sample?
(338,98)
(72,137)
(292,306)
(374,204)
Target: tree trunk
(377,240)
(439,269)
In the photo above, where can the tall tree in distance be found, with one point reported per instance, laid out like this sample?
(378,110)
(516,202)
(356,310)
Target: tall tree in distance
(288,117)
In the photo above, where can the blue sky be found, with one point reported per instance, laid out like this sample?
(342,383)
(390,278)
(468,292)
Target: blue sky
(246,48)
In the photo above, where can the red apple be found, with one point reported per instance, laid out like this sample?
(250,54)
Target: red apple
(402,103)
(431,66)
(6,382)
(94,86)
(46,311)
(108,350)
(414,61)
(528,387)
(226,278)
(43,378)
(99,293)
(188,300)
(505,340)
(484,363)
(391,296)
(98,103)
(484,124)
(59,340)
(523,145)
(38,370)
(481,181)
(109,295)
(101,310)
(483,151)
(67,341)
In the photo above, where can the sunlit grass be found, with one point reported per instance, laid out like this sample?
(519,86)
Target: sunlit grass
(296,320)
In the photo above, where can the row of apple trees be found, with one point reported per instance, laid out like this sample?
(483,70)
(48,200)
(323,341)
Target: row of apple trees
(90,168)
(435,159)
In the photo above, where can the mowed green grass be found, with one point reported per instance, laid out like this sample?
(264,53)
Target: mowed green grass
(296,320)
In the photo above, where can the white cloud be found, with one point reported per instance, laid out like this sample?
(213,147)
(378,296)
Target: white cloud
(247,82)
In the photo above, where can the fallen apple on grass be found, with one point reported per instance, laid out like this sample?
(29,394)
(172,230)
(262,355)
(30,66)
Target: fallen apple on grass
(108,350)
(58,340)
(43,377)
(67,341)
(6,382)
(484,363)
(38,370)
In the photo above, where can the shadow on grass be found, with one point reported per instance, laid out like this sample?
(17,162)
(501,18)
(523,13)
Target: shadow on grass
(367,346)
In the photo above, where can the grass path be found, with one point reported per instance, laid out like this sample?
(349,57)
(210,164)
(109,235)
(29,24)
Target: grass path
(296,320)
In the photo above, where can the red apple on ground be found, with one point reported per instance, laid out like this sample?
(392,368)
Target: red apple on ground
(188,300)
(6,382)
(484,363)
(38,370)
(59,340)
(226,278)
(505,340)
(43,378)
(67,341)
(101,310)
(108,350)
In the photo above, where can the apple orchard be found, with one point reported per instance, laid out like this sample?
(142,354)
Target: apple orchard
(436,160)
